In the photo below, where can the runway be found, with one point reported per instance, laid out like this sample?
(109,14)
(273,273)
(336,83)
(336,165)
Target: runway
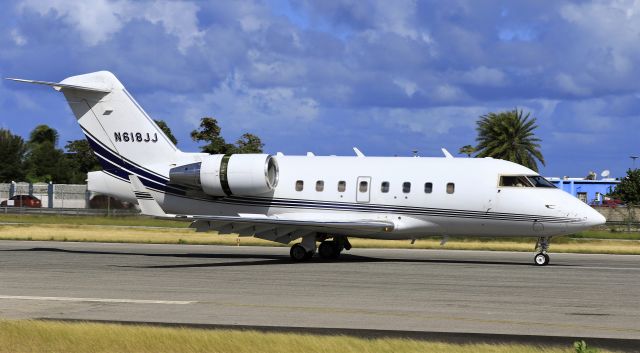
(398,290)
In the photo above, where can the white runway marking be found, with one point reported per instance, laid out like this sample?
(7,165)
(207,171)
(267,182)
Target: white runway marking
(98,300)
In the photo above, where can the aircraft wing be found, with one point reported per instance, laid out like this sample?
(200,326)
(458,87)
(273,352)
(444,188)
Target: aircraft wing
(279,228)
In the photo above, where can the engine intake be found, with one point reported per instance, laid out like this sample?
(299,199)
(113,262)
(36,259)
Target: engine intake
(229,174)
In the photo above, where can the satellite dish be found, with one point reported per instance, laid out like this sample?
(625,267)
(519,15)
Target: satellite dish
(605,173)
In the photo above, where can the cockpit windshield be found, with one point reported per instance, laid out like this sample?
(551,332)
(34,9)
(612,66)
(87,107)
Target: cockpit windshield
(540,182)
(515,180)
(525,181)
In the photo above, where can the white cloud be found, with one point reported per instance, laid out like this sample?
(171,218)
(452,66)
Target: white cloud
(399,17)
(609,29)
(177,18)
(447,93)
(253,108)
(17,37)
(484,76)
(98,20)
(409,87)
(430,122)
(569,85)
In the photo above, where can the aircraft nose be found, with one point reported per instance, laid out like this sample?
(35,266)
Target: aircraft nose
(595,218)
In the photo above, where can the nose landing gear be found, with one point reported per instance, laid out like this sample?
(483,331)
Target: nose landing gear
(542,246)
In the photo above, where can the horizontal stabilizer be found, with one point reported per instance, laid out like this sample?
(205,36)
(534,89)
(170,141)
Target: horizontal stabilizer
(59,86)
(148,205)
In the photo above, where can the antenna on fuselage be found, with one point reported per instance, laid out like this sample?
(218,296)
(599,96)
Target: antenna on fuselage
(358,153)
(446,153)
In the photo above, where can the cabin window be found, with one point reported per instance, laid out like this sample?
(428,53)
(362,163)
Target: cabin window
(363,187)
(320,185)
(451,188)
(299,185)
(428,188)
(406,187)
(540,182)
(342,186)
(519,181)
(384,187)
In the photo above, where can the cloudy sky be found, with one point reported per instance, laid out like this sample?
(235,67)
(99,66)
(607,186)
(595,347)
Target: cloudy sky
(324,76)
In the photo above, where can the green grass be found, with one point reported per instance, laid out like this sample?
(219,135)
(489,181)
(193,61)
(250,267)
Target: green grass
(24,336)
(606,234)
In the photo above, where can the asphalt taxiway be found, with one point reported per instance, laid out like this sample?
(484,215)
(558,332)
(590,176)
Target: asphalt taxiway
(396,290)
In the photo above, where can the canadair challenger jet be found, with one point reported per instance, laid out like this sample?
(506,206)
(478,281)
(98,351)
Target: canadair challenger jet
(312,199)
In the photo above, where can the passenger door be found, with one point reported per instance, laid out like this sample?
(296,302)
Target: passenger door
(363,189)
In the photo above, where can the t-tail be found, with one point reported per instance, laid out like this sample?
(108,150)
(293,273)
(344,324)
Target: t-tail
(124,138)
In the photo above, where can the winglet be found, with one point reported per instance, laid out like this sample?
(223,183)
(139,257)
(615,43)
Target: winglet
(148,205)
(446,153)
(59,86)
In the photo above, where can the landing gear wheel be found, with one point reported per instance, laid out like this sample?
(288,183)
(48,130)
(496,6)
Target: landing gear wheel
(299,253)
(329,249)
(542,246)
(541,259)
(309,255)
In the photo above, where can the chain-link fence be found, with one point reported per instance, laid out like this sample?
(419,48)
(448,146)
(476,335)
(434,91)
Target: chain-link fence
(50,195)
(4,192)
(62,199)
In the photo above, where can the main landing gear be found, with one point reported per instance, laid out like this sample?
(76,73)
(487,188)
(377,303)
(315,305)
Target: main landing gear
(299,253)
(542,246)
(328,249)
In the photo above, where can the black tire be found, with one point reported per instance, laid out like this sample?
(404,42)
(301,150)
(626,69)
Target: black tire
(328,250)
(541,259)
(298,253)
(309,255)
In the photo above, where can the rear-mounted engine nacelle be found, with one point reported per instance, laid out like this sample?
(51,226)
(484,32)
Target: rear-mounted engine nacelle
(224,175)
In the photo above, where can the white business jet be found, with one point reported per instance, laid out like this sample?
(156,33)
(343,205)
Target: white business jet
(312,199)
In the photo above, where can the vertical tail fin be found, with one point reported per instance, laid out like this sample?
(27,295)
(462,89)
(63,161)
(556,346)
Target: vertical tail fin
(124,138)
(114,123)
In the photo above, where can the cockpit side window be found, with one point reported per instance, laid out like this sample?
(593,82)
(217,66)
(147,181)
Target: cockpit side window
(540,182)
(515,181)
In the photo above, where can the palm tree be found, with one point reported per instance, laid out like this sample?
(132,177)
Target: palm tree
(509,136)
(467,149)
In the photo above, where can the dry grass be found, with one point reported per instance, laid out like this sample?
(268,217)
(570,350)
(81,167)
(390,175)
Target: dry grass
(95,233)
(138,220)
(25,336)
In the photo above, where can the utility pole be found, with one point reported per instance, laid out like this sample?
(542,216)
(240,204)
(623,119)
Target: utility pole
(634,160)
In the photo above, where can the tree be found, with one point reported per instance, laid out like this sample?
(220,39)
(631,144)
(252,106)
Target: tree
(249,143)
(167,131)
(210,132)
(47,163)
(467,149)
(629,188)
(43,133)
(44,162)
(82,160)
(12,153)
(510,136)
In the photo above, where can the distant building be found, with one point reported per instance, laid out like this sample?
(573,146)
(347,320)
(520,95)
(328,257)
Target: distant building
(589,191)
